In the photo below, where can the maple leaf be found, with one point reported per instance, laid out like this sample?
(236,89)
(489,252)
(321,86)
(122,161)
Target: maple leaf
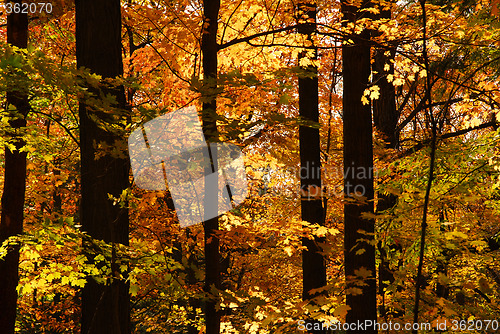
(363,272)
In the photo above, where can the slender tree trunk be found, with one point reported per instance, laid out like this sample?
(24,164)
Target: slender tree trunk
(14,185)
(313,263)
(105,307)
(442,289)
(385,114)
(432,162)
(358,168)
(211,226)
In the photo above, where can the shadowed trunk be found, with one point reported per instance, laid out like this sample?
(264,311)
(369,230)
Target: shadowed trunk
(209,125)
(313,263)
(385,120)
(14,184)
(105,307)
(358,168)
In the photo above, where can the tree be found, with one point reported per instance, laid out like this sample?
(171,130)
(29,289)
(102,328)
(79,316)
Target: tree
(209,49)
(105,307)
(385,120)
(358,173)
(312,211)
(15,181)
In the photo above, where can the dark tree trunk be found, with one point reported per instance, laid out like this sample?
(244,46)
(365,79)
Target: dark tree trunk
(212,253)
(385,114)
(192,264)
(385,120)
(105,307)
(14,185)
(442,290)
(313,263)
(358,169)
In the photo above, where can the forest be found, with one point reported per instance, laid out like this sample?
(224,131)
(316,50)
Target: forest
(249,166)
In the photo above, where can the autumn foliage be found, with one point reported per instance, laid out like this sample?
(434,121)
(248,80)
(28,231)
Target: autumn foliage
(446,95)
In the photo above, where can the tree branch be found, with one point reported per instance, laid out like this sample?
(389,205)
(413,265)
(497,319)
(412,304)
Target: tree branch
(249,38)
(421,145)
(421,107)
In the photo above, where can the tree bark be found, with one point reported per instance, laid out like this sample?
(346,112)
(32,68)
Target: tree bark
(209,49)
(11,223)
(385,120)
(385,113)
(313,262)
(105,307)
(359,251)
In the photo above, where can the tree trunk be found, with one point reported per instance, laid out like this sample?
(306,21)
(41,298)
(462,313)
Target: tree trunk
(211,226)
(385,120)
(14,185)
(313,263)
(105,307)
(442,289)
(358,168)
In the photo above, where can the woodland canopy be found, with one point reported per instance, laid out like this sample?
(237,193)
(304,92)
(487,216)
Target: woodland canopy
(370,139)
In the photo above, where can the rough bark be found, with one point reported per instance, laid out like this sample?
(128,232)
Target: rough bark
(11,223)
(313,262)
(105,307)
(209,49)
(358,157)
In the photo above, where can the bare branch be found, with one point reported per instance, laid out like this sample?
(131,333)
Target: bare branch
(249,38)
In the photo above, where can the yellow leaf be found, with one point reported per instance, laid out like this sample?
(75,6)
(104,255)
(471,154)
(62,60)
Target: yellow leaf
(79,282)
(399,82)
(321,231)
(27,289)
(374,95)
(288,250)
